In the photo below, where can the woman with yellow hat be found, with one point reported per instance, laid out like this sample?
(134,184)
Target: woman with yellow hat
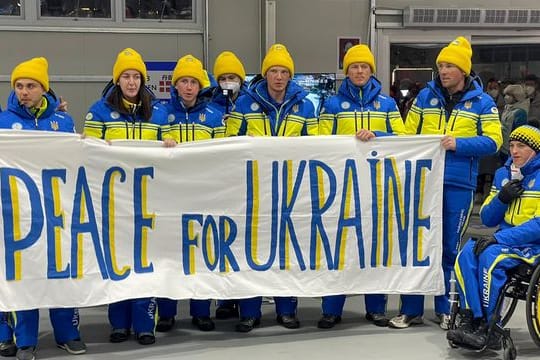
(129,110)
(514,208)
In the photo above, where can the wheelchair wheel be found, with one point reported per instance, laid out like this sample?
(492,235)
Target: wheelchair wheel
(510,352)
(533,306)
(507,309)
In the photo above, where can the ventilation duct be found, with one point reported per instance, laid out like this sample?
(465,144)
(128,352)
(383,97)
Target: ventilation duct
(470,17)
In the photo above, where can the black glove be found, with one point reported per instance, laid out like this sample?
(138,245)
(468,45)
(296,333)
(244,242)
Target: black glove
(482,244)
(510,191)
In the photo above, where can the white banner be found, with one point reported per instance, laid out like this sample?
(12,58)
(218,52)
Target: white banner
(86,223)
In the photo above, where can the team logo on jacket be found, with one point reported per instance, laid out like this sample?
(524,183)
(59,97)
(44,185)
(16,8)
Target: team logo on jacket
(54,125)
(504,182)
(531,183)
(202,117)
(468,104)
(295,108)
(376,104)
(171,118)
(115,115)
(254,106)
(494,110)
(434,102)
(345,105)
(89,116)
(16,126)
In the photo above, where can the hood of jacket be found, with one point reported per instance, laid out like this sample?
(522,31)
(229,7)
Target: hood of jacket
(21,110)
(361,94)
(293,94)
(473,87)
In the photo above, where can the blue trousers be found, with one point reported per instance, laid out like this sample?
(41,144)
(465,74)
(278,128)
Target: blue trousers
(251,307)
(6,333)
(65,323)
(167,308)
(333,305)
(139,314)
(481,278)
(457,206)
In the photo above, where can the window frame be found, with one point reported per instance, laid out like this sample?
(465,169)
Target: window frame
(30,19)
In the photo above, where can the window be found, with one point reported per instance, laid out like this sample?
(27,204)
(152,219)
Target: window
(10,7)
(76,8)
(159,9)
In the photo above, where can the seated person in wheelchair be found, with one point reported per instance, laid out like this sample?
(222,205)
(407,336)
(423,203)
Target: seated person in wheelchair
(481,266)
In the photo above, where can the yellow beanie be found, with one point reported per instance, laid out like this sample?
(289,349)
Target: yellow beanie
(206,83)
(358,54)
(189,65)
(459,53)
(228,63)
(277,55)
(528,135)
(36,69)
(128,59)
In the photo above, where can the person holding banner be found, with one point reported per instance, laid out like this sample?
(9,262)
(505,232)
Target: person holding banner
(230,75)
(32,105)
(359,108)
(275,106)
(128,110)
(453,105)
(513,206)
(190,119)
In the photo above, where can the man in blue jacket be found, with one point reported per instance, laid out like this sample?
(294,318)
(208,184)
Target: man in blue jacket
(482,265)
(32,106)
(453,105)
(275,106)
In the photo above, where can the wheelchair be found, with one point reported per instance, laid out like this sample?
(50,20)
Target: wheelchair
(523,284)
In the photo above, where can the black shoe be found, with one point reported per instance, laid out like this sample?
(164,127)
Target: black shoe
(226,312)
(247,324)
(8,348)
(146,338)
(165,324)
(288,321)
(465,324)
(204,323)
(328,321)
(119,335)
(476,339)
(378,319)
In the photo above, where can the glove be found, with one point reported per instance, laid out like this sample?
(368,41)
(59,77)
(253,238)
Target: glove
(510,191)
(482,244)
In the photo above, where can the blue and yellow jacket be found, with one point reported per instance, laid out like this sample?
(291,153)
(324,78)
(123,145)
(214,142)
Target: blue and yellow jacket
(105,122)
(473,121)
(519,221)
(18,117)
(199,122)
(354,108)
(257,114)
